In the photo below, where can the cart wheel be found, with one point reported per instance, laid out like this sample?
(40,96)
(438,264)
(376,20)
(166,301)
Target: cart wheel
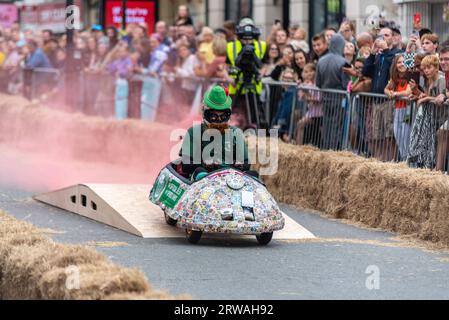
(193,236)
(264,238)
(170,221)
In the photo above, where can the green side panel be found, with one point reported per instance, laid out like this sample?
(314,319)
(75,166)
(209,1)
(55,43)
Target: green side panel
(173,191)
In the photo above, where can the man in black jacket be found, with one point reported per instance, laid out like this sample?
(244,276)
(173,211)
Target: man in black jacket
(377,66)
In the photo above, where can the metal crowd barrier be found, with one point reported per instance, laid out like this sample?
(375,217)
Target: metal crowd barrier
(308,115)
(380,127)
(371,125)
(38,81)
(102,94)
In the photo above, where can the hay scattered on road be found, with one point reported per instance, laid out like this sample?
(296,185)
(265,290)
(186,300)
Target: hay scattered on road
(32,266)
(107,244)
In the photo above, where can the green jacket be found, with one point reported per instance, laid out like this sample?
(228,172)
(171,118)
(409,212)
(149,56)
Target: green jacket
(199,149)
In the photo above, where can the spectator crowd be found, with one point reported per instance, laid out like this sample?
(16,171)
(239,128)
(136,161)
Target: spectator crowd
(403,80)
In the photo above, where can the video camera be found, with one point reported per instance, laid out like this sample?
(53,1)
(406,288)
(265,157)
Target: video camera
(247,32)
(247,63)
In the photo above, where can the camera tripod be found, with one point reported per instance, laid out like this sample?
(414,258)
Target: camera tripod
(249,89)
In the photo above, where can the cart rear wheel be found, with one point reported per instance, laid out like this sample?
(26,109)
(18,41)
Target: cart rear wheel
(193,236)
(170,221)
(264,238)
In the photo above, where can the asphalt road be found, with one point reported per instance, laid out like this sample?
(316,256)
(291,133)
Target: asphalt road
(333,266)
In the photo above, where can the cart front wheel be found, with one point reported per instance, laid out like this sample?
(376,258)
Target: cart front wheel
(193,236)
(264,238)
(170,221)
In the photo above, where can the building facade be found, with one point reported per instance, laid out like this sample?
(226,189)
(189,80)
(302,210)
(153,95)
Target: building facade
(312,15)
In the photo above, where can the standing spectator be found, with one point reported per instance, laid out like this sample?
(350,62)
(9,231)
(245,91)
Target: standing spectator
(206,42)
(60,59)
(350,52)
(364,52)
(217,69)
(347,30)
(50,48)
(285,62)
(271,59)
(298,40)
(157,58)
(143,48)
(422,153)
(378,64)
(229,27)
(329,33)
(10,70)
(281,38)
(300,60)
(300,34)
(398,87)
(427,44)
(309,127)
(282,119)
(119,63)
(183,18)
(330,67)
(358,84)
(442,102)
(320,46)
(47,35)
(365,39)
(161,30)
(330,75)
(430,43)
(36,57)
(112,35)
(187,62)
(397,37)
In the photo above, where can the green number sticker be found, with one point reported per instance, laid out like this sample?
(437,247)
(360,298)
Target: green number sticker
(172,193)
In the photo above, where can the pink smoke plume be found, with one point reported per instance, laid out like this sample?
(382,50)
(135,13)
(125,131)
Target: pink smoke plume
(43,149)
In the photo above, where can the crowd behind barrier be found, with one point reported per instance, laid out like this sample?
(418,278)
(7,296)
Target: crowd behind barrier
(379,93)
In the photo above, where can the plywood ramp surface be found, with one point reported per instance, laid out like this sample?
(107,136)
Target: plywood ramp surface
(127,207)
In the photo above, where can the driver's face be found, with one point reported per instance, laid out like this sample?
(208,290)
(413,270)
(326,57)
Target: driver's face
(246,41)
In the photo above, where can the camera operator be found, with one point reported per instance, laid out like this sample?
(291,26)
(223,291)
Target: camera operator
(244,56)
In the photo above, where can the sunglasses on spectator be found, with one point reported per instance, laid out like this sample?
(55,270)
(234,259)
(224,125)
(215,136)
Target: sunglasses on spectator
(213,117)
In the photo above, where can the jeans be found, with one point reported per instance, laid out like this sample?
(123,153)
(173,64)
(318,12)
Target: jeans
(401,133)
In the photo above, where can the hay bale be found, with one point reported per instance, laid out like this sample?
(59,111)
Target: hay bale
(389,196)
(32,266)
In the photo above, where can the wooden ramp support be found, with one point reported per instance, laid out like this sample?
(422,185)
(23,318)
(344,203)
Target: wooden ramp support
(126,207)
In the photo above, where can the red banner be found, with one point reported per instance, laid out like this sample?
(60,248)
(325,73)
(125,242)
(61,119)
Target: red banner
(136,12)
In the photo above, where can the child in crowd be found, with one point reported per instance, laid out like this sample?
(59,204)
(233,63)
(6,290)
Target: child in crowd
(309,127)
(398,88)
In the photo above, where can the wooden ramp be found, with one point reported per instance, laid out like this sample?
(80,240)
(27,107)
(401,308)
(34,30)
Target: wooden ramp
(126,207)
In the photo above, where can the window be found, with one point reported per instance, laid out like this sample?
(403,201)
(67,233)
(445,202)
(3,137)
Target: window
(325,13)
(237,9)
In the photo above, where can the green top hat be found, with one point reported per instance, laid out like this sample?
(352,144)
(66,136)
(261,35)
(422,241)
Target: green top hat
(217,99)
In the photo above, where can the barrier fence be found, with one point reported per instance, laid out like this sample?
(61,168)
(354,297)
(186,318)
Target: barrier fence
(371,125)
(103,94)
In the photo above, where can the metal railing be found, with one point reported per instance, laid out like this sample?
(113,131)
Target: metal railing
(102,94)
(371,125)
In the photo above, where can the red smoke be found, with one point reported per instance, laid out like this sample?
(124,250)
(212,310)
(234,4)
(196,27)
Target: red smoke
(43,149)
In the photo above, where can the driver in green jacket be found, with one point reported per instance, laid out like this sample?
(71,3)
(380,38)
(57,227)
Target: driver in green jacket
(214,144)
